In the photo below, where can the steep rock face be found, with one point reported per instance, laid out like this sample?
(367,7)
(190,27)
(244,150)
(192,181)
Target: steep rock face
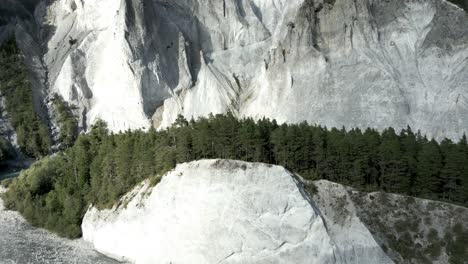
(354,63)
(219,211)
(18,19)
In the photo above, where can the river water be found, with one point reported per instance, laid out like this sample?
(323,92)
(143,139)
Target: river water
(20,243)
(8,175)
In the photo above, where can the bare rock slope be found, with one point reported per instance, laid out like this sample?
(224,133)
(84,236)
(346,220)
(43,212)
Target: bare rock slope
(410,230)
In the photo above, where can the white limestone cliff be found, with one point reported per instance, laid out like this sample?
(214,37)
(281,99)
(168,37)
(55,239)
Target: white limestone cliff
(221,211)
(354,63)
(364,63)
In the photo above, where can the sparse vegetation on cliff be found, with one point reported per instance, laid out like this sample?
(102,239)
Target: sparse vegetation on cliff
(461,3)
(33,135)
(67,123)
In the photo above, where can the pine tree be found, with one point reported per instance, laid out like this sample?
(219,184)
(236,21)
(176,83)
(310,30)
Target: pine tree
(245,141)
(202,140)
(143,165)
(183,144)
(44,138)
(102,151)
(81,161)
(393,166)
(319,155)
(124,159)
(427,181)
(225,131)
(334,155)
(463,192)
(452,172)
(295,156)
(279,145)
(409,146)
(307,168)
(359,157)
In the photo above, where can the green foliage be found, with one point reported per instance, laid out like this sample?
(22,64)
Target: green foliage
(434,248)
(39,195)
(393,166)
(101,167)
(427,181)
(33,135)
(68,124)
(311,188)
(6,150)
(454,173)
(6,182)
(457,242)
(403,245)
(461,3)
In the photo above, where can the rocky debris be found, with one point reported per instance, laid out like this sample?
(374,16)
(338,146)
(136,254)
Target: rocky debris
(22,243)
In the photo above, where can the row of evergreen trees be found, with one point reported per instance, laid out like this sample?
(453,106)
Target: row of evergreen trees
(34,137)
(67,123)
(406,163)
(101,167)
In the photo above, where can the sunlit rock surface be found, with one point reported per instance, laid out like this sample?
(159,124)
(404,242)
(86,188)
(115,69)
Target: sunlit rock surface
(220,211)
(363,63)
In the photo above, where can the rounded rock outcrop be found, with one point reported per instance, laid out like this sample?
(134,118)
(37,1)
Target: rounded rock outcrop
(217,211)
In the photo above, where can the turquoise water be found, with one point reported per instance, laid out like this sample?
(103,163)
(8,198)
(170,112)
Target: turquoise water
(9,174)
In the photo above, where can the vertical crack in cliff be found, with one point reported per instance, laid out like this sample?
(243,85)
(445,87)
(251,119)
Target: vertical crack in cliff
(316,27)
(43,109)
(224,8)
(310,11)
(237,92)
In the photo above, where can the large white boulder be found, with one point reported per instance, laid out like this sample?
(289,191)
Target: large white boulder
(220,211)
